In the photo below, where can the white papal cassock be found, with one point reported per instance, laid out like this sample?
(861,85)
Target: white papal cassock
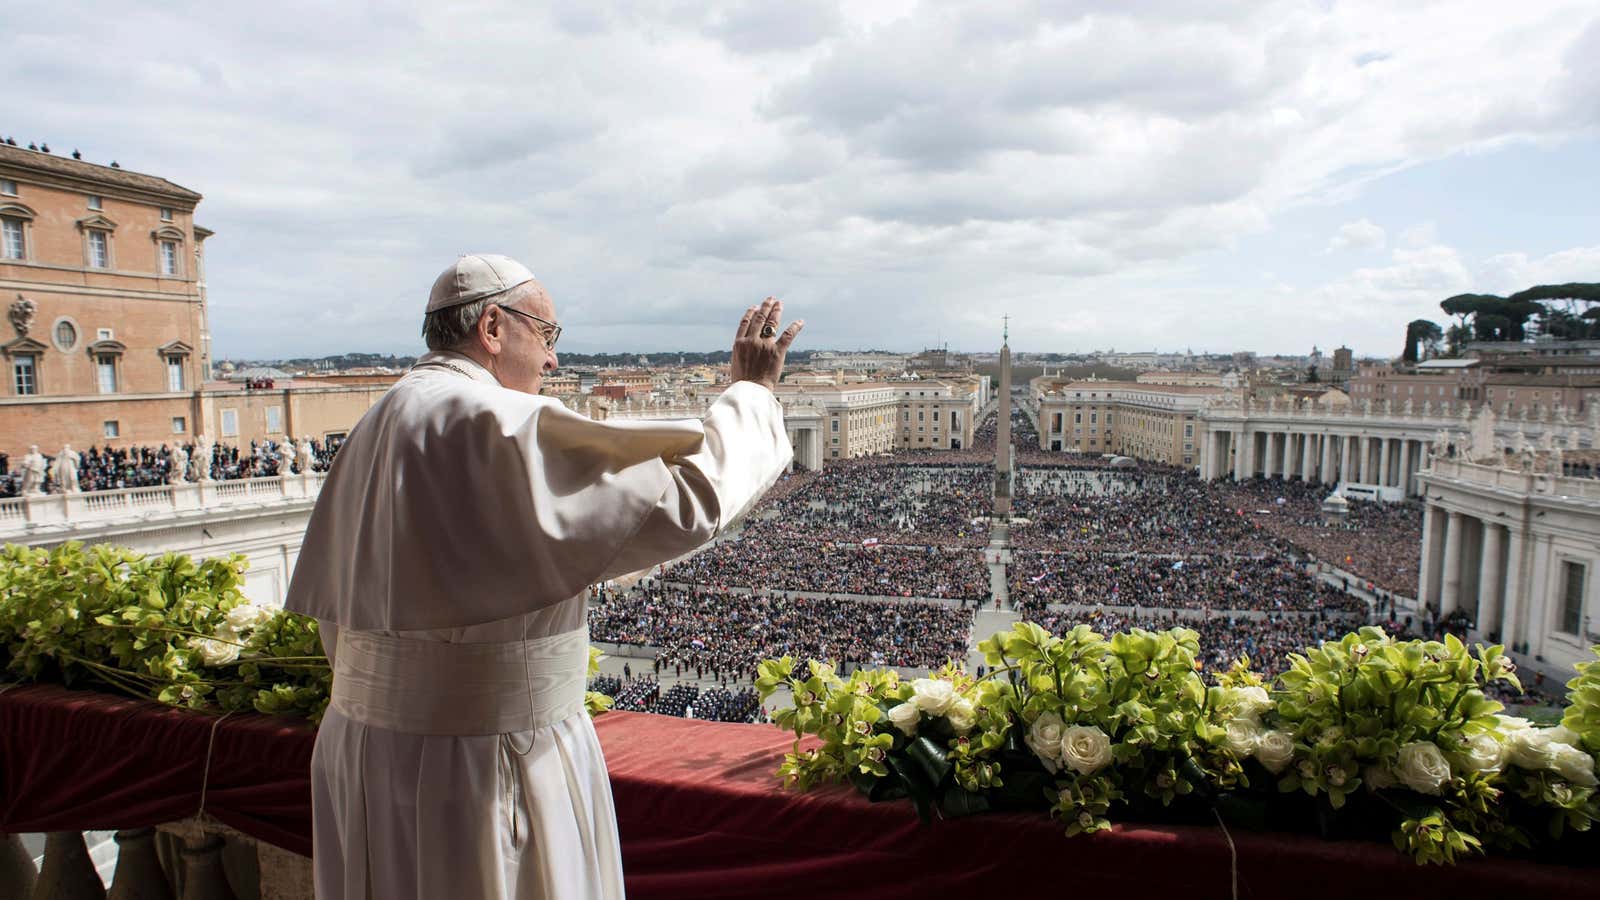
(448,560)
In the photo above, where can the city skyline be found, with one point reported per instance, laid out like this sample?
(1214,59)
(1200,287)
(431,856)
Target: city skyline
(1267,177)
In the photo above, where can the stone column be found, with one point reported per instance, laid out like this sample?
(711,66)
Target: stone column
(1450,578)
(1306,461)
(1427,582)
(1236,438)
(1540,587)
(1515,598)
(1489,573)
(1383,461)
(1363,470)
(1328,476)
(1347,453)
(1405,467)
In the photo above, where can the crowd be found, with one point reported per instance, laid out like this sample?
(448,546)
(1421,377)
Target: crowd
(113,468)
(906,503)
(1211,582)
(836,567)
(722,637)
(1380,542)
(1267,641)
(682,700)
(1124,510)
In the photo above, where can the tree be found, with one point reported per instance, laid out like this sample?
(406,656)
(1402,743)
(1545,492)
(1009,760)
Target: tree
(1565,321)
(1493,318)
(1420,333)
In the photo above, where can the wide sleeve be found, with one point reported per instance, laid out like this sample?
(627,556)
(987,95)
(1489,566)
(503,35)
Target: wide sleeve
(457,504)
(709,488)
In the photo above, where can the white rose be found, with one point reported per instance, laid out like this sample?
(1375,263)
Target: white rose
(1252,700)
(1422,767)
(1483,753)
(1243,734)
(933,696)
(1531,749)
(1508,724)
(214,653)
(962,715)
(1561,734)
(246,616)
(1378,778)
(1574,765)
(905,717)
(1085,749)
(1274,749)
(1044,739)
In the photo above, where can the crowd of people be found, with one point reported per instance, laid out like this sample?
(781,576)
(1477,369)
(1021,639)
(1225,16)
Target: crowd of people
(1223,638)
(1380,542)
(756,561)
(1200,581)
(1124,510)
(722,637)
(113,468)
(907,503)
(686,701)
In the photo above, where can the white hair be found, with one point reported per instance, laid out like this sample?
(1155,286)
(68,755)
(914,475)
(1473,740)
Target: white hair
(449,328)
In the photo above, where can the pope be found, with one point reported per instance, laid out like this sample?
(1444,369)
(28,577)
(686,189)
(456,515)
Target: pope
(447,563)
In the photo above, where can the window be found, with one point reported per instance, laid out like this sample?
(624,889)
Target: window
(174,373)
(113,428)
(105,367)
(274,419)
(99,249)
(66,335)
(230,423)
(179,425)
(169,257)
(1572,578)
(7,187)
(95,202)
(24,375)
(11,243)
(166,214)
(835,426)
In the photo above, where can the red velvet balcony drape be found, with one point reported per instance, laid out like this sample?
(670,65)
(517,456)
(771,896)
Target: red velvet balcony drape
(700,816)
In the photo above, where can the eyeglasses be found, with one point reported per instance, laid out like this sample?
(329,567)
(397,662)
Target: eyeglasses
(550,337)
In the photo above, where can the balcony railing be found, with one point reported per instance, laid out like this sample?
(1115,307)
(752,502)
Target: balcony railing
(21,517)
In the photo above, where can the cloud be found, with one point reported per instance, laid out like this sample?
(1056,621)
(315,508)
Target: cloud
(904,172)
(1361,234)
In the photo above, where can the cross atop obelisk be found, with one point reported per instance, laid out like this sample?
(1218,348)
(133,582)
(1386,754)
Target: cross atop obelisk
(1002,443)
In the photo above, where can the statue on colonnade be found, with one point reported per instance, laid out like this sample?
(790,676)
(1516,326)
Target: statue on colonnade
(32,468)
(67,471)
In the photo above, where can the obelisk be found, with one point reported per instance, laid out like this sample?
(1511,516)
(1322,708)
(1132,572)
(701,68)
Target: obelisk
(1002,445)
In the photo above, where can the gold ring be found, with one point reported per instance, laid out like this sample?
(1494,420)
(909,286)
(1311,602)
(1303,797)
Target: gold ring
(768,331)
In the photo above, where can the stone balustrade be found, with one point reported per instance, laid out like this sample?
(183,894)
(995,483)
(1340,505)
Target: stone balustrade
(193,859)
(36,516)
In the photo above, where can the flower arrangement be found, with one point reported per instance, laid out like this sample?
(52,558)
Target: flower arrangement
(1394,736)
(166,628)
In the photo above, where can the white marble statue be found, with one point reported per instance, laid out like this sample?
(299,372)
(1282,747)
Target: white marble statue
(1441,444)
(308,456)
(178,469)
(67,471)
(1484,446)
(285,452)
(203,451)
(32,468)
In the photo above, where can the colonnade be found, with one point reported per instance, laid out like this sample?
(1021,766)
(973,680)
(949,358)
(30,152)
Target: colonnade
(1320,456)
(1468,562)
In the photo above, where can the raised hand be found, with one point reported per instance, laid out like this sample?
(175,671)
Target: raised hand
(758,347)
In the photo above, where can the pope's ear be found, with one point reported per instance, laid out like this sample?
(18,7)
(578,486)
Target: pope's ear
(490,326)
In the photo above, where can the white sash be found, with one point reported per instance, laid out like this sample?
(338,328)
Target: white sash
(433,687)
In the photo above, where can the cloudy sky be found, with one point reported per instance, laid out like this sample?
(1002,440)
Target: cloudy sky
(1216,176)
